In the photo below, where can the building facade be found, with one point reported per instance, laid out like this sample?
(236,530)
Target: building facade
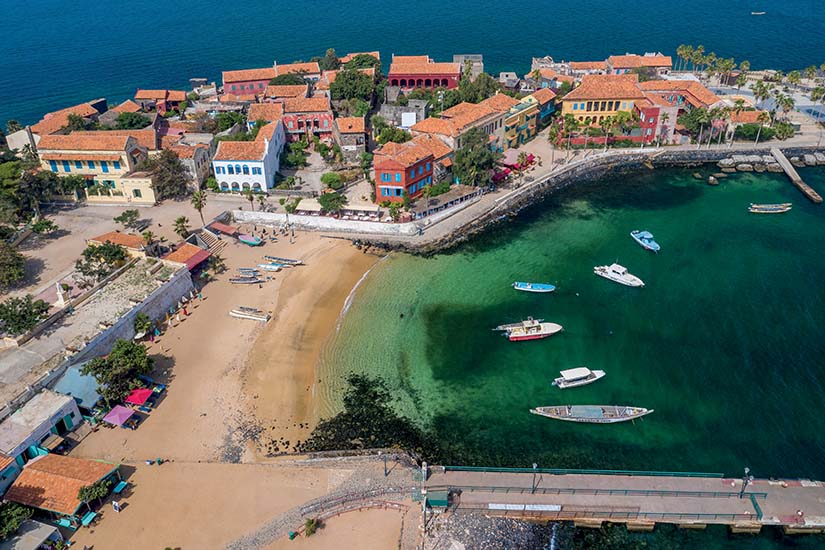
(520,119)
(602,96)
(456,121)
(623,64)
(250,165)
(350,133)
(419,71)
(401,169)
(305,117)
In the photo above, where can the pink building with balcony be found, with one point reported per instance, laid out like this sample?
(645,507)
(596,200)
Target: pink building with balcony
(419,71)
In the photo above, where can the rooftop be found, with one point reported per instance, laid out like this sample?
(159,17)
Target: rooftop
(265,111)
(588,66)
(83,388)
(146,137)
(405,154)
(51,482)
(244,75)
(84,141)
(297,68)
(55,121)
(500,102)
(421,64)
(347,58)
(745,117)
(435,146)
(454,120)
(15,429)
(267,131)
(240,150)
(633,61)
(188,255)
(306,105)
(127,106)
(603,86)
(544,95)
(126,240)
(351,125)
(694,92)
(286,90)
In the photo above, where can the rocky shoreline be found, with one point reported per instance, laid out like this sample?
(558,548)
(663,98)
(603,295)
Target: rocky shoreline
(766,163)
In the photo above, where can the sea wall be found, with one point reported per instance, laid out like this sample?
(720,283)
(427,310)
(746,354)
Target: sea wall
(327,224)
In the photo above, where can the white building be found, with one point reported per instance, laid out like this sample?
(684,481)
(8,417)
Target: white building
(241,165)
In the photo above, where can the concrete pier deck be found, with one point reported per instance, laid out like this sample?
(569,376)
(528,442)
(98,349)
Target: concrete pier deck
(794,176)
(637,500)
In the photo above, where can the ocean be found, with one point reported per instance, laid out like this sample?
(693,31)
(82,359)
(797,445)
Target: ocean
(724,342)
(58,53)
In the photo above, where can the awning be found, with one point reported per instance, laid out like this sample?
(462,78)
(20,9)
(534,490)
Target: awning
(139,396)
(52,442)
(372,208)
(118,415)
(309,205)
(223,228)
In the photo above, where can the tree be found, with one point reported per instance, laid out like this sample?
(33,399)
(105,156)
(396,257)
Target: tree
(745,66)
(11,516)
(795,77)
(95,491)
(741,80)
(131,121)
(181,226)
(261,201)
(250,196)
(330,61)
(229,119)
(352,83)
(522,165)
(13,126)
(365,162)
(118,373)
(332,202)
(332,180)
(32,189)
(786,103)
(97,261)
(128,218)
(77,123)
(311,525)
(396,135)
(44,226)
(289,79)
(170,176)
(21,314)
(216,263)
(142,323)
(570,126)
(474,161)
(199,203)
(12,265)
(553,138)
(363,61)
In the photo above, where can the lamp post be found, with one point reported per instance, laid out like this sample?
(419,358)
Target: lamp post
(746,479)
(533,489)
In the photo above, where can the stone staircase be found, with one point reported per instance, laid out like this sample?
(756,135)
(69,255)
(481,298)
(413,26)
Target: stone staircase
(212,241)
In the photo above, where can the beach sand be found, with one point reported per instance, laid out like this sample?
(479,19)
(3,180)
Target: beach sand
(380,529)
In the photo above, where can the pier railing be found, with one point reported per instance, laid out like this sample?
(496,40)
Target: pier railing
(564,471)
(601,492)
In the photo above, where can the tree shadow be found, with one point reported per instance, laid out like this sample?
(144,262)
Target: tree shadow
(34,268)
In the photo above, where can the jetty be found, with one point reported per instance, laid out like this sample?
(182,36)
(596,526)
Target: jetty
(791,172)
(639,499)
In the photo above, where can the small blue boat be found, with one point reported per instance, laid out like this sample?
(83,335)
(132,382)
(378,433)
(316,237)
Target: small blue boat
(645,239)
(533,287)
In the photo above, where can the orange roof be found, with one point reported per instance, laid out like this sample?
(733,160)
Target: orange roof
(176,95)
(351,125)
(229,98)
(565,78)
(347,58)
(306,105)
(633,61)
(146,137)
(243,75)
(166,142)
(186,252)
(405,154)
(150,94)
(500,102)
(544,95)
(85,141)
(588,66)
(424,68)
(187,151)
(411,59)
(434,145)
(693,91)
(267,131)
(134,242)
(240,150)
(78,156)
(265,111)
(603,86)
(55,121)
(745,117)
(549,74)
(293,68)
(127,106)
(454,120)
(5,461)
(51,482)
(286,90)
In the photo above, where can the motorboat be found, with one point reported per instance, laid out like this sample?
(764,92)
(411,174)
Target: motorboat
(619,274)
(270,267)
(770,208)
(592,414)
(530,329)
(280,260)
(252,314)
(645,240)
(533,287)
(580,376)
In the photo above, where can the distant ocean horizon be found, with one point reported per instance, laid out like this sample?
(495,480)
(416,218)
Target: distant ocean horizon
(59,53)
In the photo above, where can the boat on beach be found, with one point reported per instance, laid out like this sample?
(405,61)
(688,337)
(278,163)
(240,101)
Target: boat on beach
(770,208)
(245,280)
(530,329)
(618,273)
(580,376)
(645,240)
(270,267)
(250,240)
(280,260)
(592,414)
(533,287)
(252,314)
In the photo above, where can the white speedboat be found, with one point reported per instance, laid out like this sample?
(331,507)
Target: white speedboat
(618,273)
(580,376)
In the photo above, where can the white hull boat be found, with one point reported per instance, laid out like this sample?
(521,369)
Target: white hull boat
(580,376)
(618,274)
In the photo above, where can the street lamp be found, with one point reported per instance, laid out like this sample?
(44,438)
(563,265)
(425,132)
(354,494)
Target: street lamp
(533,489)
(746,479)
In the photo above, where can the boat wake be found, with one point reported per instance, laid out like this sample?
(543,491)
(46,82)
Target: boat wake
(351,295)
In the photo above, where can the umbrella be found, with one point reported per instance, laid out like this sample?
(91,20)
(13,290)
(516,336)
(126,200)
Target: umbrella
(118,415)
(139,396)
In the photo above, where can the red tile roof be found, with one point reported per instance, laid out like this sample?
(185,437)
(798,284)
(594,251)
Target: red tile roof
(84,141)
(603,86)
(632,61)
(133,242)
(188,254)
(51,482)
(500,102)
(186,151)
(127,106)
(306,105)
(240,150)
(588,66)
(169,141)
(265,111)
(351,125)
(244,75)
(79,156)
(146,137)
(693,91)
(295,68)
(454,120)
(286,90)
(434,145)
(55,121)
(404,154)
(268,131)
(745,117)
(544,95)
(549,74)
(347,58)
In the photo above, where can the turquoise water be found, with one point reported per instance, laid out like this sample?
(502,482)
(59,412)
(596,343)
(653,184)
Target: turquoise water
(57,53)
(725,341)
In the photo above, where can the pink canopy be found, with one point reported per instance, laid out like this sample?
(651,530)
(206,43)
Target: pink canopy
(139,396)
(118,415)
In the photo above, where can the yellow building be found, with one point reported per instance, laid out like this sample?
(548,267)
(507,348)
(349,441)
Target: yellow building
(520,120)
(106,162)
(600,96)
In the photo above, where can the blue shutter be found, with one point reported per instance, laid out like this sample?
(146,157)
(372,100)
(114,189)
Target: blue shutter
(91,164)
(78,164)
(104,166)
(66,167)
(53,165)
(117,165)
(398,176)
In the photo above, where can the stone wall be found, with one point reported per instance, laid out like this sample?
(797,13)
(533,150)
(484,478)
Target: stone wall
(327,224)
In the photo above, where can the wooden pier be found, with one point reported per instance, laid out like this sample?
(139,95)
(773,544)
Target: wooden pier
(794,176)
(638,499)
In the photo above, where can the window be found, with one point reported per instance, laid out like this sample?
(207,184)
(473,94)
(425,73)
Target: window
(104,165)
(237,168)
(575,106)
(234,87)
(385,177)
(326,123)
(385,192)
(428,167)
(53,165)
(66,167)
(398,191)
(398,176)
(231,170)
(136,193)
(116,164)
(412,173)
(260,86)
(78,164)
(420,170)
(290,124)
(91,164)
(246,169)
(429,180)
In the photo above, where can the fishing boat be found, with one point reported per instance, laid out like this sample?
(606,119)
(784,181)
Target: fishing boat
(283,260)
(533,287)
(270,267)
(618,274)
(770,208)
(248,270)
(251,314)
(645,239)
(511,326)
(245,280)
(758,13)
(580,376)
(531,329)
(592,414)
(250,240)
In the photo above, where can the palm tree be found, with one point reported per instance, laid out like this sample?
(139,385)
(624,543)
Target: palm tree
(762,119)
(810,72)
(199,203)
(745,66)
(552,137)
(522,164)
(724,116)
(250,196)
(261,201)
(786,103)
(149,238)
(697,56)
(570,126)
(794,77)
(681,53)
(818,96)
(181,226)
(606,124)
(662,126)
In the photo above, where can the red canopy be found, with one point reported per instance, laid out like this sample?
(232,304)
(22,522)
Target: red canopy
(139,396)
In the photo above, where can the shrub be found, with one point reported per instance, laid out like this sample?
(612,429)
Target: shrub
(748,132)
(332,180)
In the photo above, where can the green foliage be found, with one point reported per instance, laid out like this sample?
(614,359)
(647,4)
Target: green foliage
(784,130)
(295,155)
(12,515)
(13,126)
(332,202)
(95,491)
(128,219)
(170,177)
(20,315)
(131,121)
(363,61)
(311,525)
(216,263)
(142,323)
(181,226)
(474,161)
(358,107)
(439,188)
(77,123)
(43,226)
(396,135)
(352,83)
(476,91)
(228,120)
(118,373)
(291,206)
(289,79)
(97,261)
(365,161)
(749,131)
(212,184)
(199,202)
(12,265)
(332,180)
(330,61)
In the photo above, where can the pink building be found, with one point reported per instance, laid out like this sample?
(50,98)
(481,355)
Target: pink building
(419,71)
(255,81)
(307,117)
